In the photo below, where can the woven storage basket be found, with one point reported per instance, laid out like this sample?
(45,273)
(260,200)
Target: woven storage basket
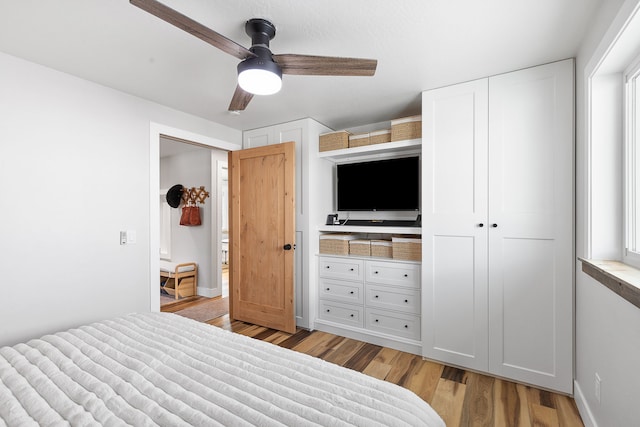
(334,140)
(360,247)
(406,128)
(407,248)
(359,140)
(381,248)
(380,136)
(335,244)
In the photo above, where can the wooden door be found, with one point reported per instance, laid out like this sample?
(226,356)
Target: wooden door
(454,229)
(262,235)
(531,225)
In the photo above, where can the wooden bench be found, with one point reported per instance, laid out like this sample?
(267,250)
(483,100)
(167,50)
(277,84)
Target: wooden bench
(180,280)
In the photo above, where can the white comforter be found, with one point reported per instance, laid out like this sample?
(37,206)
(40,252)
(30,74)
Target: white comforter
(163,369)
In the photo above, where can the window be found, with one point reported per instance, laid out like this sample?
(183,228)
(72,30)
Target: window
(632,169)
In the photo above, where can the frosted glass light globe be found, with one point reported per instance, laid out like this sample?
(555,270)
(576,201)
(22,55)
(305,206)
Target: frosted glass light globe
(259,82)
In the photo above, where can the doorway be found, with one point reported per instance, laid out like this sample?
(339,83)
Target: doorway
(194,167)
(185,141)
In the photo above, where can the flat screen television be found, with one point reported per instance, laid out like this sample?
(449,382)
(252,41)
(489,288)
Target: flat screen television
(380,185)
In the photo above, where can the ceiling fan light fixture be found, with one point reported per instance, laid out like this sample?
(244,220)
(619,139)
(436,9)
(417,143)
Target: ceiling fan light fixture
(259,76)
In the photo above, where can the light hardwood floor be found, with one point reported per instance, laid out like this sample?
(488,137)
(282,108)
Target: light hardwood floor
(462,398)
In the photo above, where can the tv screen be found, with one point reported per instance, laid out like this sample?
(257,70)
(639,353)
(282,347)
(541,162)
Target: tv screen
(381,185)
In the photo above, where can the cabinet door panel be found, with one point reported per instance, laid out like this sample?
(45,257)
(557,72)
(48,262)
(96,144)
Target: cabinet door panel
(531,202)
(527,317)
(456,321)
(296,134)
(454,204)
(257,138)
(301,293)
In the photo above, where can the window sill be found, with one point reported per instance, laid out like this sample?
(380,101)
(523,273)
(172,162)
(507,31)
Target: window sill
(621,278)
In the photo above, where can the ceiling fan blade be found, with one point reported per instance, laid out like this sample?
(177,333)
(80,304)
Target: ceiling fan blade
(192,27)
(308,65)
(240,99)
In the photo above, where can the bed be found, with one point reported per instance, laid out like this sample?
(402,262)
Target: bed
(164,369)
(179,279)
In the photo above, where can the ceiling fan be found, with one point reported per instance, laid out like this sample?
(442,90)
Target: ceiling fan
(260,72)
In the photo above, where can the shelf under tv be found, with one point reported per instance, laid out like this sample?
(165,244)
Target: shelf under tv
(350,227)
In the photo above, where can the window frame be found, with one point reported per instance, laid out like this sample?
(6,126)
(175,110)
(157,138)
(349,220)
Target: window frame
(631,123)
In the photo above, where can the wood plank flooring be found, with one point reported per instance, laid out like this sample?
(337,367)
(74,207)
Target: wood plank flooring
(462,398)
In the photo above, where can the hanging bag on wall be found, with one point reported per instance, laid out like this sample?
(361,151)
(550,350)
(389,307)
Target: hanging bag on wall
(185,218)
(190,215)
(191,210)
(194,216)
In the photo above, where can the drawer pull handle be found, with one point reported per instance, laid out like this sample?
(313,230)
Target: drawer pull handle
(375,272)
(377,296)
(351,292)
(351,269)
(328,289)
(376,320)
(406,275)
(406,326)
(328,311)
(406,300)
(328,266)
(352,315)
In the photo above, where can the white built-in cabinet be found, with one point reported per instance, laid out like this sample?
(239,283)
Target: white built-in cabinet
(313,193)
(371,299)
(497,225)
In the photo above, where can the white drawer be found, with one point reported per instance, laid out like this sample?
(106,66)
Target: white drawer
(393,273)
(401,325)
(341,313)
(341,268)
(404,300)
(349,292)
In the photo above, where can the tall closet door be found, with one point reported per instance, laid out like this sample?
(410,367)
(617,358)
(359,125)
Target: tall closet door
(454,236)
(531,225)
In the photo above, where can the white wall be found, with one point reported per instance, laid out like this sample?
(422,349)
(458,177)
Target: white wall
(195,244)
(607,326)
(191,244)
(75,167)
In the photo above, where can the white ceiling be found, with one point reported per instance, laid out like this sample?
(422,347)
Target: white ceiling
(419,44)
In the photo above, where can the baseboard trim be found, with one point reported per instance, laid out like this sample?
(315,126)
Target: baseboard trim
(583,406)
(206,292)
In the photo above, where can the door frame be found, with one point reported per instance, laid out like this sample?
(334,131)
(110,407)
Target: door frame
(156,130)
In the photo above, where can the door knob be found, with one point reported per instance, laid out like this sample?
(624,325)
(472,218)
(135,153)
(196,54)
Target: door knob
(287,247)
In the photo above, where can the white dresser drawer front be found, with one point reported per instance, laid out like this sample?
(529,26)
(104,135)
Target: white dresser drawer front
(402,325)
(341,268)
(348,292)
(404,300)
(341,313)
(393,273)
